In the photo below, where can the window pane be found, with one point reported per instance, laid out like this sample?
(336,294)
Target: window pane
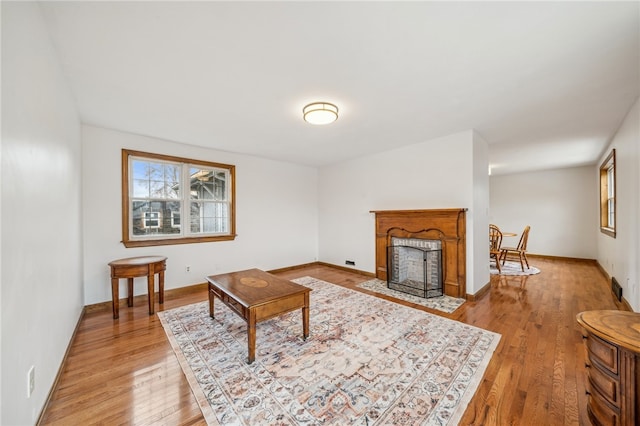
(207,184)
(221,186)
(156,189)
(208,217)
(611,218)
(171,181)
(140,188)
(155,180)
(155,217)
(154,176)
(610,183)
(140,178)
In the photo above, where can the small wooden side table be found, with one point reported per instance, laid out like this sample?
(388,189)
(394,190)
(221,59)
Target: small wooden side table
(612,343)
(133,267)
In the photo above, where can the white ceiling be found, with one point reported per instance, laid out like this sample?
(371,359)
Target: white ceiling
(545,83)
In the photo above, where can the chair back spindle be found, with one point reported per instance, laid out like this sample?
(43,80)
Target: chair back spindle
(495,244)
(520,251)
(522,245)
(495,237)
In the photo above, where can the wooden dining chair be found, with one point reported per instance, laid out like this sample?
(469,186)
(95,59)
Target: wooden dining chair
(520,251)
(495,243)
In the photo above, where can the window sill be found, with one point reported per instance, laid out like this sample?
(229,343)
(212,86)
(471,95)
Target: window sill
(175,241)
(608,231)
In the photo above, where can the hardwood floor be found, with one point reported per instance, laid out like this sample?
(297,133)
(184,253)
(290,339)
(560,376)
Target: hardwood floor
(124,371)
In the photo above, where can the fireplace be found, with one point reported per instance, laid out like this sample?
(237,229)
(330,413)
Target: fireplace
(448,226)
(414,266)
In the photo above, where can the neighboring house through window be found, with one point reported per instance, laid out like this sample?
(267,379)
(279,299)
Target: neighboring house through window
(608,195)
(151,220)
(159,190)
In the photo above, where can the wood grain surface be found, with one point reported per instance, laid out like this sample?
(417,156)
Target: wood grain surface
(124,371)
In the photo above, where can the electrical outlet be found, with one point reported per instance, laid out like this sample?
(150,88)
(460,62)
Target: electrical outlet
(350,262)
(187,268)
(31,381)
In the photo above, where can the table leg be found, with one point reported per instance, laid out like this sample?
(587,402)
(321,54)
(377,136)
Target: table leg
(211,297)
(305,317)
(150,289)
(161,287)
(251,331)
(130,293)
(115,297)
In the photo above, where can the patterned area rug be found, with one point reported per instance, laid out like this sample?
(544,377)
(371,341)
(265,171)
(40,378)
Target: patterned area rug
(512,268)
(444,303)
(367,361)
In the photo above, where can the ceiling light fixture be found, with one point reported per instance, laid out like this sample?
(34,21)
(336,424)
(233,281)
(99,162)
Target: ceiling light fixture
(320,113)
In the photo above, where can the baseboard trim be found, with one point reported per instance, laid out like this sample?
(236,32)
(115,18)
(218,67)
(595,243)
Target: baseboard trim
(622,305)
(344,268)
(626,306)
(602,270)
(103,306)
(318,263)
(293,268)
(564,258)
(54,385)
(478,294)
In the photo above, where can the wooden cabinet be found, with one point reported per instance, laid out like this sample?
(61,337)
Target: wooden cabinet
(612,344)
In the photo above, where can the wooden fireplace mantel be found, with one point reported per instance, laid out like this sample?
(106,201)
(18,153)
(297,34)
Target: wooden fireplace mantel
(446,225)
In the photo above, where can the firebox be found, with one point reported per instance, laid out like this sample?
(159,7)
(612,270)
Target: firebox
(414,266)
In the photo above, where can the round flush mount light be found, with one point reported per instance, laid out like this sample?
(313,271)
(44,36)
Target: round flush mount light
(320,113)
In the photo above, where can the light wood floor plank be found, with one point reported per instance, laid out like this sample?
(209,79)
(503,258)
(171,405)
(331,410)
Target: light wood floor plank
(125,372)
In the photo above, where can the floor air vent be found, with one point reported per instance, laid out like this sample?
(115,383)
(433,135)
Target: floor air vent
(617,290)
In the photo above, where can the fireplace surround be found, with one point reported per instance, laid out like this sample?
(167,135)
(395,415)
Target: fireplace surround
(446,225)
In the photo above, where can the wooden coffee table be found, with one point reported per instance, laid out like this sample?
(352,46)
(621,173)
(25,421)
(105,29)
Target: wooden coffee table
(257,296)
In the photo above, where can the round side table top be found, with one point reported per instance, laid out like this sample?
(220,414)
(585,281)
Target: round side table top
(619,327)
(140,260)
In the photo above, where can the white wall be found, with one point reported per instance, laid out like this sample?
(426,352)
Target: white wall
(478,216)
(558,205)
(276,221)
(429,175)
(619,256)
(41,214)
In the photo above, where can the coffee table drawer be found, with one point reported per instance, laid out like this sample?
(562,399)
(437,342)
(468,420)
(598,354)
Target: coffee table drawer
(237,307)
(275,308)
(233,304)
(216,292)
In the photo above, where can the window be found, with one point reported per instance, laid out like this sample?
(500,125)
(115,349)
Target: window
(608,195)
(159,190)
(151,220)
(175,219)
